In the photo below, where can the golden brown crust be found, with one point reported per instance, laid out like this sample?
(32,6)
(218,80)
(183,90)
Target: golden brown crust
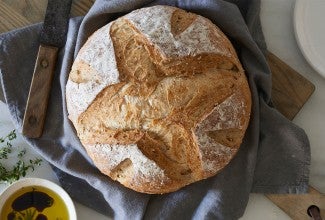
(184,117)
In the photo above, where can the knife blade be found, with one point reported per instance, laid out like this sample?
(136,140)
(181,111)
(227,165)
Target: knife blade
(52,38)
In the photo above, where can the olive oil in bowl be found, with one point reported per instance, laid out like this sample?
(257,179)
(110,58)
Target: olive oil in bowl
(38,201)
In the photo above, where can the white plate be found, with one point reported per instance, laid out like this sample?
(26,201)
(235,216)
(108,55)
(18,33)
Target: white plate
(309,25)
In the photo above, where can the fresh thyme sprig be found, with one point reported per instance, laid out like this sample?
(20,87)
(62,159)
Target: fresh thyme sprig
(4,151)
(21,167)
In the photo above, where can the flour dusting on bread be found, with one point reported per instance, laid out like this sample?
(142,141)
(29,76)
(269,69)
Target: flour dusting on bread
(98,54)
(115,154)
(159,99)
(198,38)
(226,115)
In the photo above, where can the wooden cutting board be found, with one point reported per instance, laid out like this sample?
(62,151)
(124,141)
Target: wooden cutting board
(290,90)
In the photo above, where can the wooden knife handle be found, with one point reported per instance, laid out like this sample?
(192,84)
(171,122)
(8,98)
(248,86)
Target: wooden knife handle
(39,91)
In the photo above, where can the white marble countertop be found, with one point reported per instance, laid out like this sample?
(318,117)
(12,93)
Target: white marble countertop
(277,24)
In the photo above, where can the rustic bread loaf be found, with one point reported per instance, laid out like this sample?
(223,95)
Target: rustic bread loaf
(159,99)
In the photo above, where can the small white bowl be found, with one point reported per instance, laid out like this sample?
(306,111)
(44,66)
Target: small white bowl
(37,182)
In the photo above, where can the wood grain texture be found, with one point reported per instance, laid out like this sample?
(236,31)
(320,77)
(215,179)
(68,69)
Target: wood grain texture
(10,18)
(39,92)
(32,10)
(296,205)
(290,90)
(19,13)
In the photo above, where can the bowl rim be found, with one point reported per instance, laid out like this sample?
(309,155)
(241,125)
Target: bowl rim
(25,182)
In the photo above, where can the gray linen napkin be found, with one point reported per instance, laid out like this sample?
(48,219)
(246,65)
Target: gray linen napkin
(274,156)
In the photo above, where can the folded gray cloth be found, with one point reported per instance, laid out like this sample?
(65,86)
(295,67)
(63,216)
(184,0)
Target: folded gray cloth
(274,156)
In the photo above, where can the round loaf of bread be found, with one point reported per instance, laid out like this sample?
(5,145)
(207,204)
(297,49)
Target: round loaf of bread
(159,99)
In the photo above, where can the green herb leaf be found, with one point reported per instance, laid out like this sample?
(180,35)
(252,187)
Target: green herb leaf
(20,169)
(12,135)
(21,153)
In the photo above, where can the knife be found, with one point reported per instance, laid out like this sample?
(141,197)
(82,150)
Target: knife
(52,38)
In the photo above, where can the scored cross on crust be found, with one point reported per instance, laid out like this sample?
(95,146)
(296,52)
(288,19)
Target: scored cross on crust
(159,99)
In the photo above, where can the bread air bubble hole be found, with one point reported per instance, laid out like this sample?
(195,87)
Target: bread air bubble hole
(235,68)
(229,139)
(186,172)
(235,77)
(225,65)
